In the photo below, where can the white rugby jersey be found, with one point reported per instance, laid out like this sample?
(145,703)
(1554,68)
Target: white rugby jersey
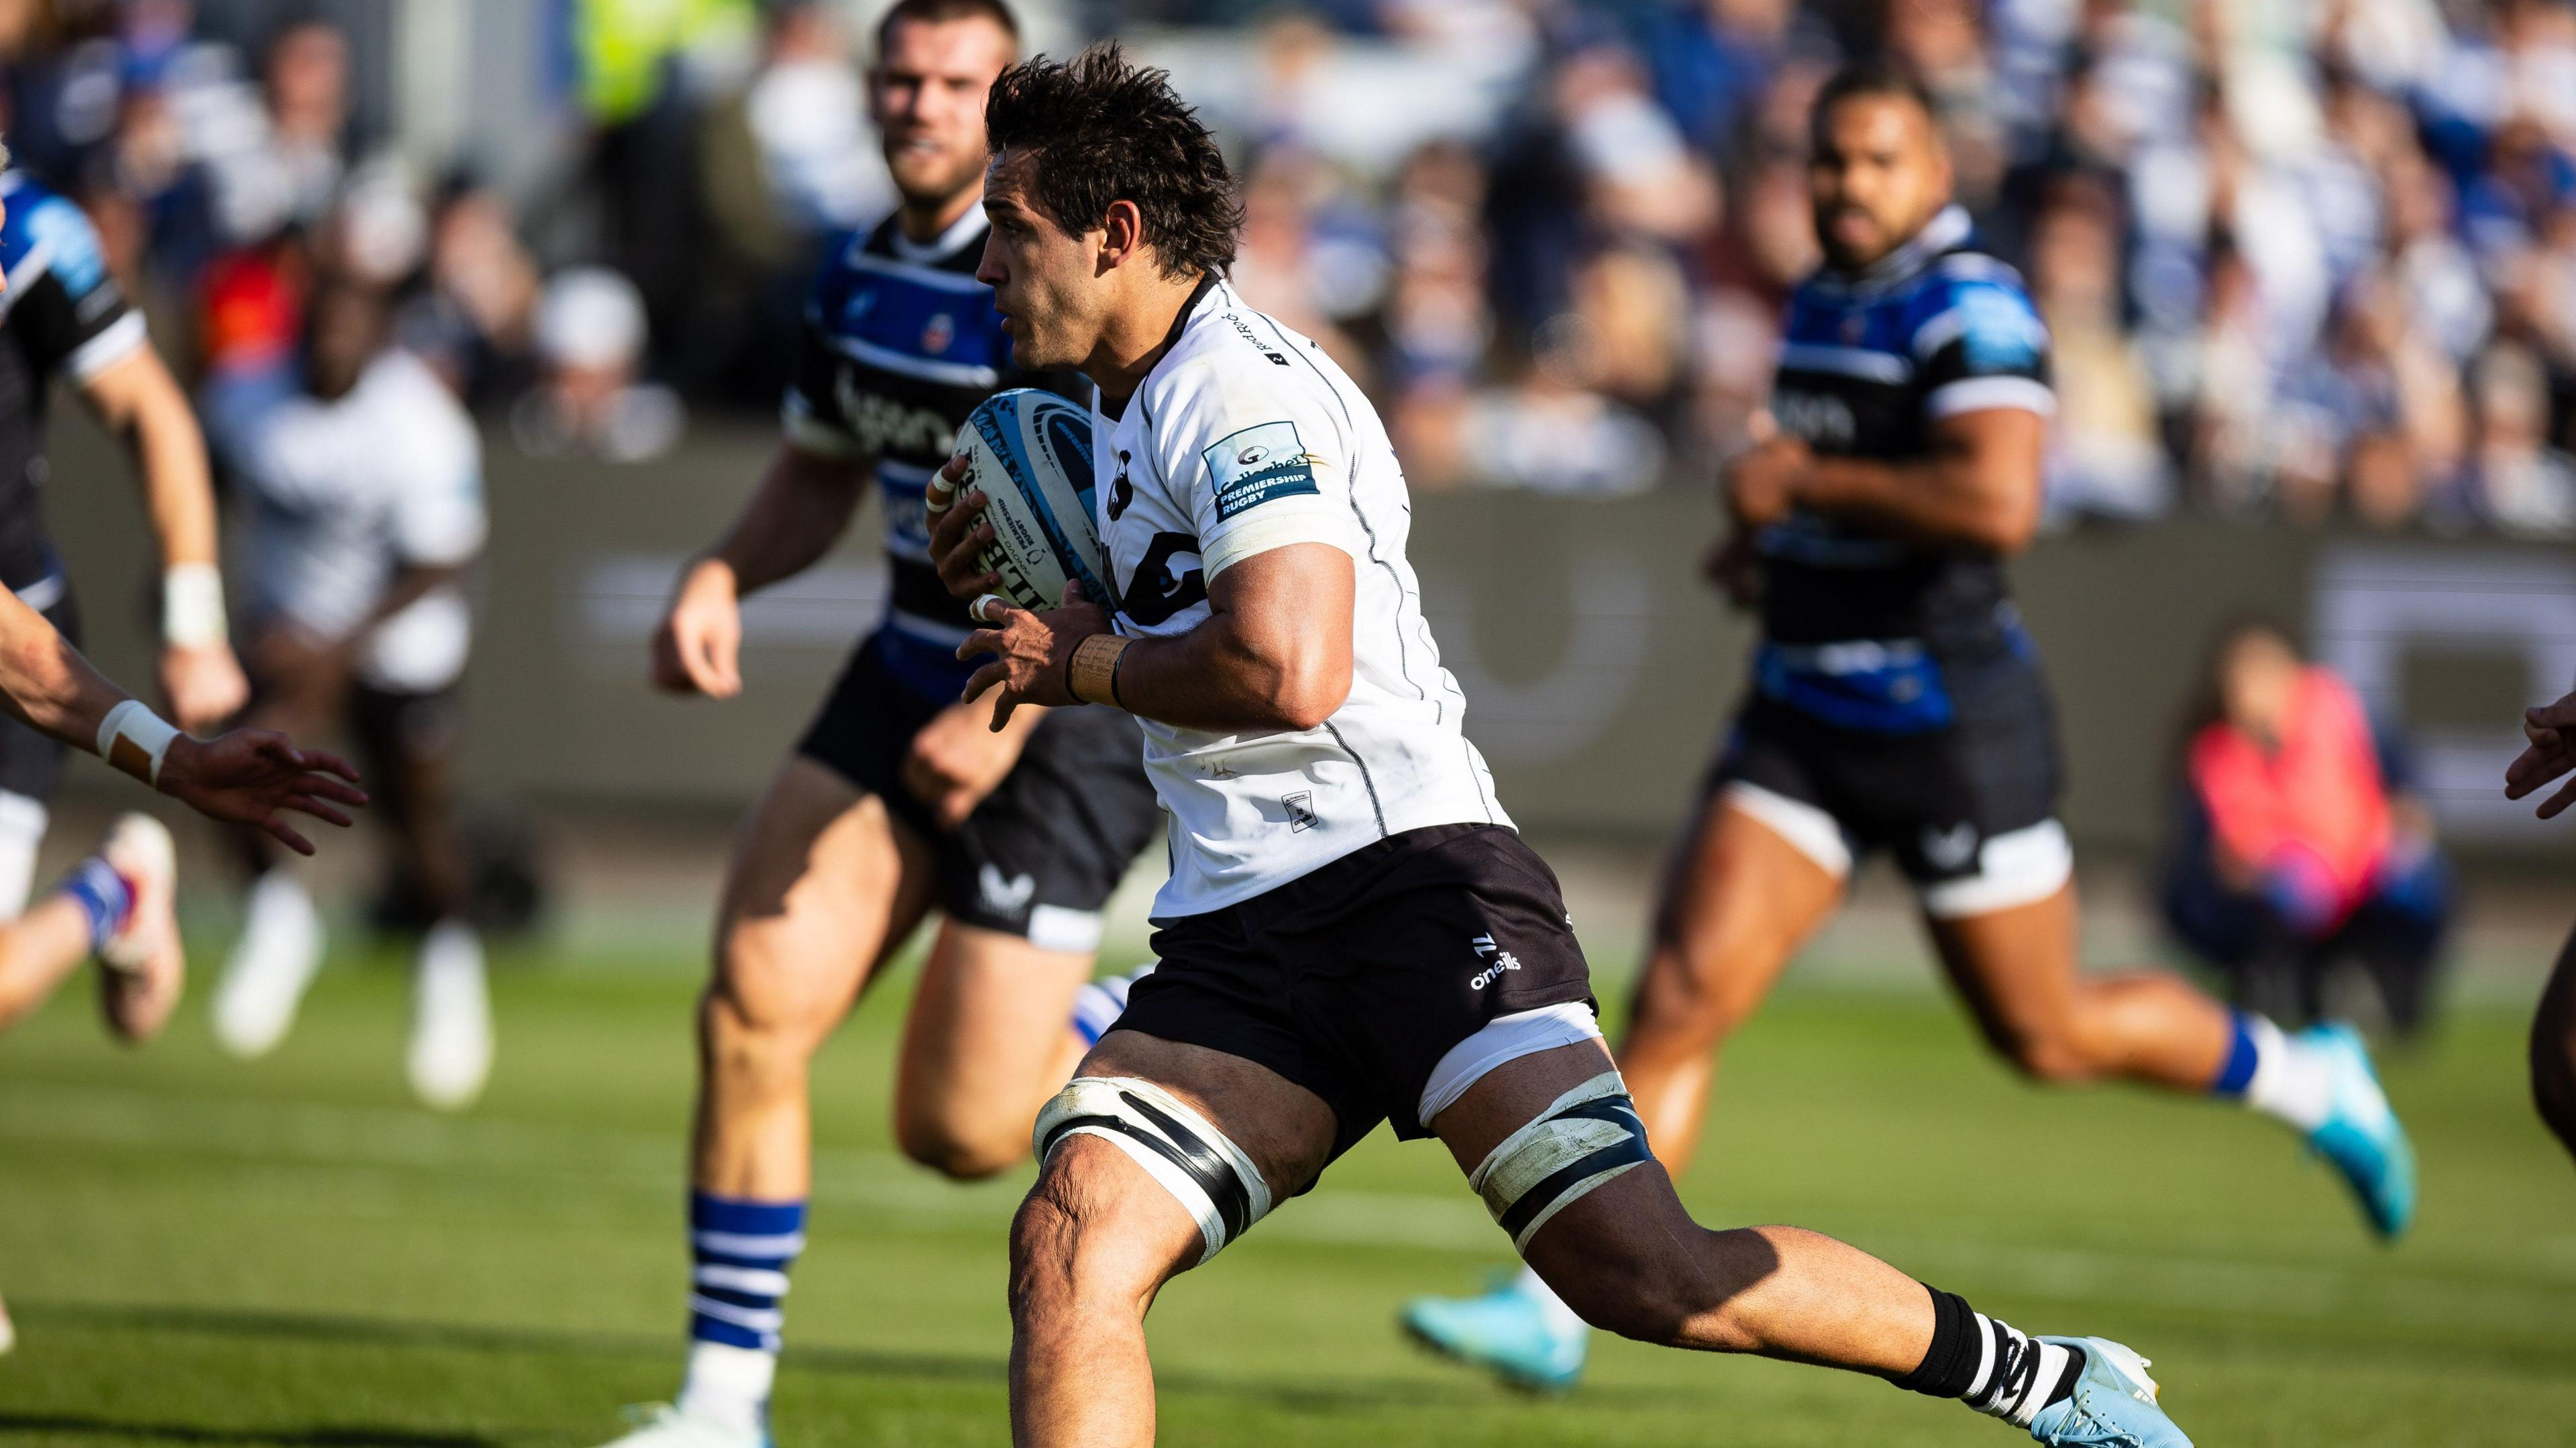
(347,492)
(1244,438)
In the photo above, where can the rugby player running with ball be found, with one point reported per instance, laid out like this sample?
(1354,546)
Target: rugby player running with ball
(1898,705)
(1352,931)
(900,798)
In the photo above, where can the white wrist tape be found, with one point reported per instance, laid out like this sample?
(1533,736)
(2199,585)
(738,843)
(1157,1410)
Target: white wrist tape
(143,735)
(192,606)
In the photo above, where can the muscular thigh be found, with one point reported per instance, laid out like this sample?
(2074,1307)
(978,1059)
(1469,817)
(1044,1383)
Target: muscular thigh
(2016,968)
(1741,896)
(988,1021)
(824,883)
(1286,1131)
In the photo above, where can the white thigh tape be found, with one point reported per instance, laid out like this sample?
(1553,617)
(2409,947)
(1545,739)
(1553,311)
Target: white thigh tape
(1206,1173)
(145,735)
(1585,1138)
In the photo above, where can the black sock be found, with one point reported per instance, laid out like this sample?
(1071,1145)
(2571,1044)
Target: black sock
(1991,1365)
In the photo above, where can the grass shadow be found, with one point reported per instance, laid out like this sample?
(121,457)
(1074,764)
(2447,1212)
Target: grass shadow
(319,1436)
(1341,1394)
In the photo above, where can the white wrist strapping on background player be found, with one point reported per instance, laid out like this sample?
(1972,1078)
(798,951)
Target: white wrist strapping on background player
(145,736)
(192,606)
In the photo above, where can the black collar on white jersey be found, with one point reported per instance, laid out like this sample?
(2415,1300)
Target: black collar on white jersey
(1948,228)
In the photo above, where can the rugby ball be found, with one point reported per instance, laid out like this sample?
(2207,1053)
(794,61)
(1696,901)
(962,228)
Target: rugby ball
(1030,452)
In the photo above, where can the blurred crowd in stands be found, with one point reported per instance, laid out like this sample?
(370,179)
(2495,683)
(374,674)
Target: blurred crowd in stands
(2303,259)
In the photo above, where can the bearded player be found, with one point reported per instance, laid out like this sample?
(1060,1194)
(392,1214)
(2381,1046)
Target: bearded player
(1352,932)
(1898,705)
(900,799)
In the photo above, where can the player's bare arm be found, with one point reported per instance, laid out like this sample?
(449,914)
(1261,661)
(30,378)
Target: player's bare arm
(250,776)
(803,504)
(1978,483)
(1275,652)
(138,399)
(2550,753)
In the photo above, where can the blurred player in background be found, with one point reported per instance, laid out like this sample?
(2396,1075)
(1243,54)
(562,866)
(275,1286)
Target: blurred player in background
(1898,705)
(67,319)
(900,799)
(116,905)
(1353,933)
(364,478)
(2550,754)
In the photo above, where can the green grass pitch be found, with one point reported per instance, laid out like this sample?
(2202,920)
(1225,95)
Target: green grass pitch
(201,1252)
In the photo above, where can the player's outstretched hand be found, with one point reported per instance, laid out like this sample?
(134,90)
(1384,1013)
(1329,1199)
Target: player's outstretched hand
(254,777)
(959,534)
(698,649)
(957,760)
(2551,730)
(1032,652)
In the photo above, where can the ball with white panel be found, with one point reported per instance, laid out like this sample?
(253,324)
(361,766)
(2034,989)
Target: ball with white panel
(1030,453)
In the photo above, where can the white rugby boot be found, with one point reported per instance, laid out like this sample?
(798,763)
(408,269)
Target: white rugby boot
(662,1425)
(451,1023)
(143,966)
(271,965)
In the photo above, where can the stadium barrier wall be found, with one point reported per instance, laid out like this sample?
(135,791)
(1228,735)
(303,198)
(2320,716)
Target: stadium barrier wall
(1597,666)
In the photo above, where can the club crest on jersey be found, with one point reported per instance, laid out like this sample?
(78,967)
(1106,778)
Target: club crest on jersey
(1251,467)
(1950,849)
(938,333)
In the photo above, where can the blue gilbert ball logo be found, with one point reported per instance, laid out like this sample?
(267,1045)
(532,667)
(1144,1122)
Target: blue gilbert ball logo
(1032,456)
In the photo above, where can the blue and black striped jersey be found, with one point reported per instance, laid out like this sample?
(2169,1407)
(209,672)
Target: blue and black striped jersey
(62,315)
(1868,363)
(901,343)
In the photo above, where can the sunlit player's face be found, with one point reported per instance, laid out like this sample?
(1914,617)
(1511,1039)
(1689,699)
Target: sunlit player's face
(927,98)
(1877,175)
(1048,283)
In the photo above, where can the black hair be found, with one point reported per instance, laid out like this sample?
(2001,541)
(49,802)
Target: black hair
(1105,131)
(1878,77)
(940,12)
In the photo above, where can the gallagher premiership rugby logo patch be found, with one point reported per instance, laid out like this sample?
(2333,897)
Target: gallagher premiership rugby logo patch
(1258,464)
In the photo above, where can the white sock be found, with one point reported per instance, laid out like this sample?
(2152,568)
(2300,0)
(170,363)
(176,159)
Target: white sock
(728,1385)
(1561,1318)
(22,831)
(2292,1081)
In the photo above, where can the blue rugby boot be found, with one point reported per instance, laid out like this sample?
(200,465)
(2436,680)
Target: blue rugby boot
(2113,1405)
(1510,1332)
(2361,1135)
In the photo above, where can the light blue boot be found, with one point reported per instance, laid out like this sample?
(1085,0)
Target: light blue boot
(1508,1332)
(2362,1137)
(2113,1405)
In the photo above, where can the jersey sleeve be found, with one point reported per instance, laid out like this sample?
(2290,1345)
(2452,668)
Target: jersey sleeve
(1258,463)
(812,417)
(69,314)
(1985,348)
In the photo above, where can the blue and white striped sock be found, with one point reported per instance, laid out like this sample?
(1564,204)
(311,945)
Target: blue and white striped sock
(2276,1074)
(741,1250)
(1099,1004)
(102,895)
